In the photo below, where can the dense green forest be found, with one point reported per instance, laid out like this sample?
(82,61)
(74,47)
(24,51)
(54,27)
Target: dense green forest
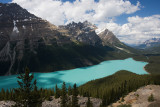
(49,58)
(153,62)
(113,87)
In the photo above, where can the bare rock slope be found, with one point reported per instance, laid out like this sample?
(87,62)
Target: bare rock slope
(140,97)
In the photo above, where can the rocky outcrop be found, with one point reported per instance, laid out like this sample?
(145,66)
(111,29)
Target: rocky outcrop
(7,103)
(82,101)
(140,97)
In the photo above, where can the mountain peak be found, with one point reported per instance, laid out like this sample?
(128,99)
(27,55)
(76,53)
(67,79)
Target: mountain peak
(108,37)
(12,11)
(81,32)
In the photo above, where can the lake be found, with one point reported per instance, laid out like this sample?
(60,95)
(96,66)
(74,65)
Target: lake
(78,75)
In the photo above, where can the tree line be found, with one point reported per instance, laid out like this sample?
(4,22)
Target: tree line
(111,88)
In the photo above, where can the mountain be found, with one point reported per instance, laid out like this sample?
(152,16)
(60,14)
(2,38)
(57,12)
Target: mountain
(154,42)
(22,31)
(27,40)
(151,46)
(82,32)
(109,39)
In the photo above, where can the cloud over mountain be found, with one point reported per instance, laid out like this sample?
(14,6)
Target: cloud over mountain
(138,29)
(102,13)
(58,12)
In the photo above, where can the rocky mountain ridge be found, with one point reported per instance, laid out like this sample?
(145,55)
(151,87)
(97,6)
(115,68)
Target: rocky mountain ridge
(82,32)
(154,42)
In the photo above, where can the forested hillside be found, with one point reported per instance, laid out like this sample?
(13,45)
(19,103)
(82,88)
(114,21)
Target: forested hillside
(111,88)
(153,62)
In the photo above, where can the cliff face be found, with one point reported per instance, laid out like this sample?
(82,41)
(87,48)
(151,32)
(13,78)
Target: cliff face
(20,30)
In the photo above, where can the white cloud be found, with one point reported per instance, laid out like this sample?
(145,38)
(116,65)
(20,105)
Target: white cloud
(101,13)
(58,12)
(137,30)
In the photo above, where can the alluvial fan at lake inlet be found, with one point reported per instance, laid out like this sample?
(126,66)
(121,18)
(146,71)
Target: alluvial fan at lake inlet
(78,75)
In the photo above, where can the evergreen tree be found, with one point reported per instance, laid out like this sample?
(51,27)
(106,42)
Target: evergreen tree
(151,98)
(104,102)
(57,93)
(64,96)
(10,97)
(53,92)
(74,97)
(69,90)
(47,94)
(6,95)
(2,94)
(36,97)
(25,97)
(89,103)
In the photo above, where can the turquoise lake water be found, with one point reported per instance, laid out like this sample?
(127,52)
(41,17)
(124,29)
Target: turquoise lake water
(78,75)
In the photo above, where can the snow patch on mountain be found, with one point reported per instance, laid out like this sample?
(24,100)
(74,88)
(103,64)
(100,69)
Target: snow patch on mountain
(98,31)
(15,29)
(24,27)
(122,49)
(153,40)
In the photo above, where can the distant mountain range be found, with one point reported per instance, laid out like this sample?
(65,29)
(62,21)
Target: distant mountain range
(27,40)
(154,42)
(151,46)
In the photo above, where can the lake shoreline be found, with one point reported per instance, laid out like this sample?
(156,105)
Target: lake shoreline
(79,75)
(146,70)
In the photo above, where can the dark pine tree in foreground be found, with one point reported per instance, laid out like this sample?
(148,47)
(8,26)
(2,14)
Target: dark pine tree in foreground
(104,102)
(69,90)
(27,94)
(74,97)
(64,96)
(89,103)
(57,92)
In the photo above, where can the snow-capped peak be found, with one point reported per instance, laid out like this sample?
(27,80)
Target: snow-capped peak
(153,40)
(98,31)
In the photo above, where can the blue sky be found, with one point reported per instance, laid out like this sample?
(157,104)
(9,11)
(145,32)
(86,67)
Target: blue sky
(149,7)
(132,21)
(5,1)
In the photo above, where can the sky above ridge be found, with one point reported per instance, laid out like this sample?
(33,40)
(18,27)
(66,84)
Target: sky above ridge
(132,21)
